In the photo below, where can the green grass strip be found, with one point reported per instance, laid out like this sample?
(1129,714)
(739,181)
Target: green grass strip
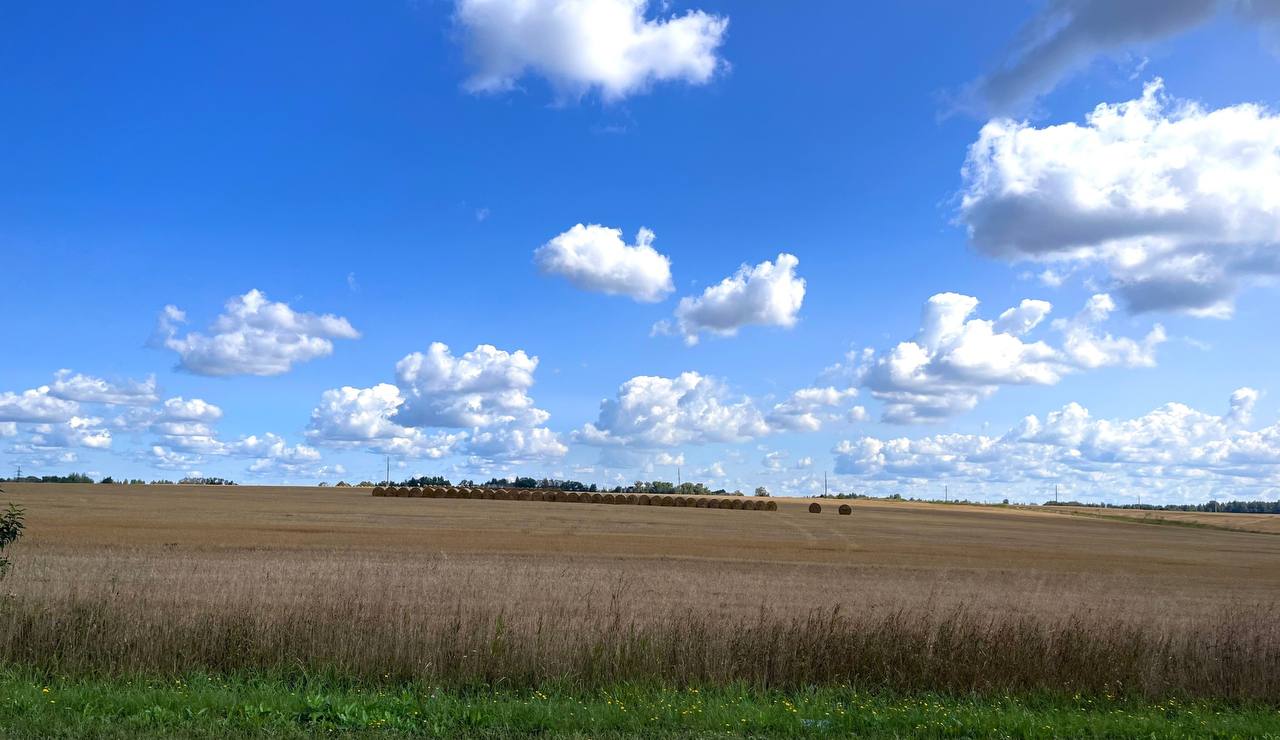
(213,707)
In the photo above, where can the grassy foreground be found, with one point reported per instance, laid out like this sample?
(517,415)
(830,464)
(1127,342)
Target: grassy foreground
(199,707)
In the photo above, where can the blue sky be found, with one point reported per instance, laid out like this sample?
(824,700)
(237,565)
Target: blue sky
(414,173)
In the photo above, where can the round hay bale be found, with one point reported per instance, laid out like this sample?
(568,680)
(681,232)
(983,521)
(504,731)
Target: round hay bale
(734,503)
(573,497)
(667,500)
(699,503)
(607,498)
(618,498)
(713,503)
(748,505)
(679,501)
(815,508)
(521,495)
(430,492)
(503,495)
(379,491)
(400,492)
(643,500)
(415,492)
(631,499)
(771,506)
(597,498)
(845,510)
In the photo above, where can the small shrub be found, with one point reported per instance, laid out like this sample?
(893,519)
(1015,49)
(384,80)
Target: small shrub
(11,526)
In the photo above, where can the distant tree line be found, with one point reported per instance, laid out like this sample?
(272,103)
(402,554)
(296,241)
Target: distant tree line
(110,481)
(555,484)
(552,484)
(72,478)
(1227,507)
(683,489)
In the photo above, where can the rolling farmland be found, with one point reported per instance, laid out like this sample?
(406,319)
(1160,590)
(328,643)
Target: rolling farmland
(897,597)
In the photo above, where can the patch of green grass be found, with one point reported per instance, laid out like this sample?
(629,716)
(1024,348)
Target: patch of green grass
(214,707)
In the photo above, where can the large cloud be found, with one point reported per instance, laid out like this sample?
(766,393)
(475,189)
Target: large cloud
(363,417)
(483,393)
(1066,35)
(769,294)
(88,389)
(596,258)
(483,387)
(651,412)
(955,361)
(78,431)
(1180,205)
(584,45)
(1173,449)
(254,336)
(808,409)
(35,405)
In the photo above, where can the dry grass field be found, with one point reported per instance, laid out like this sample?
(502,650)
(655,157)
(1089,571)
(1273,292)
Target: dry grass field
(1258,523)
(118,578)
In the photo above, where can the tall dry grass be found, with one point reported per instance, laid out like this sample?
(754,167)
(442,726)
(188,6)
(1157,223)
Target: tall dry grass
(455,620)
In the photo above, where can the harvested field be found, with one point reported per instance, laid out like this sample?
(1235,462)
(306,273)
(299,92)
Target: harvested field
(1261,523)
(150,567)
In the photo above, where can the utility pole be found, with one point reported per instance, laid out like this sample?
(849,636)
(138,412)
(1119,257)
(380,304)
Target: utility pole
(679,482)
(1055,493)
(824,484)
(388,470)
(946,494)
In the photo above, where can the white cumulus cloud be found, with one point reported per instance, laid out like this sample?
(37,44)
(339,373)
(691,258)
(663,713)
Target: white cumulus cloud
(654,411)
(955,361)
(582,45)
(78,431)
(597,258)
(807,409)
(254,336)
(769,294)
(483,394)
(1178,204)
(87,389)
(1172,452)
(36,405)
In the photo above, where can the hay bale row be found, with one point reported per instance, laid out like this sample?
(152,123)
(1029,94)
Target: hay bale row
(576,497)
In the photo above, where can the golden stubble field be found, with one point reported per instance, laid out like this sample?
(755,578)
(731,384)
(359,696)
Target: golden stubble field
(907,596)
(887,554)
